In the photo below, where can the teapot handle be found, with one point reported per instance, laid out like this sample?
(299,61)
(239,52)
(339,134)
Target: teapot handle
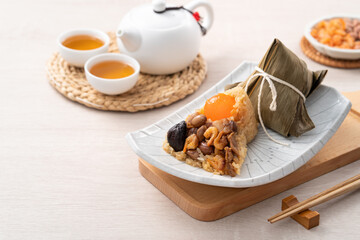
(208,20)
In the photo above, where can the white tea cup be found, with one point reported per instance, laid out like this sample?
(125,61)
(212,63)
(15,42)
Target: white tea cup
(112,86)
(79,57)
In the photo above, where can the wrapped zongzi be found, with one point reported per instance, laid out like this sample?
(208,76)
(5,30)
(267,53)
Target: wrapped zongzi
(290,116)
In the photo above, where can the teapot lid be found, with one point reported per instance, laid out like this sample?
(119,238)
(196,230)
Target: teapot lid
(154,16)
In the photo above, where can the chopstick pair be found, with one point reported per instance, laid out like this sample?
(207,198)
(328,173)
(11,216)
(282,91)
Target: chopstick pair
(333,192)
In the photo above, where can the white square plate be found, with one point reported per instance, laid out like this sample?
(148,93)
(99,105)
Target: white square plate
(266,161)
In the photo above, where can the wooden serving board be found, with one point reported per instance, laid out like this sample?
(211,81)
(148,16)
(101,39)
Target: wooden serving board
(208,203)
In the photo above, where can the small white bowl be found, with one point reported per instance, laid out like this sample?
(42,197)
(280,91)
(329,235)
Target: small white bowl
(333,52)
(79,57)
(112,86)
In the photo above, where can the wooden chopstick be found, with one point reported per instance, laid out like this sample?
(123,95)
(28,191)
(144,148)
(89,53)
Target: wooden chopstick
(335,191)
(318,195)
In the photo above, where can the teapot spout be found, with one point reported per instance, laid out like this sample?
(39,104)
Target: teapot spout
(130,38)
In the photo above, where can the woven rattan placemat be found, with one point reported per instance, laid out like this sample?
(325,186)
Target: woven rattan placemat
(312,53)
(151,91)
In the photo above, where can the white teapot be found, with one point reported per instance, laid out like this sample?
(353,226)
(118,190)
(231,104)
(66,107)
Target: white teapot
(164,39)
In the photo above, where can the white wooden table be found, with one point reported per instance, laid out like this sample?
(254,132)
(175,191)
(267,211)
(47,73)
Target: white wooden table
(66,171)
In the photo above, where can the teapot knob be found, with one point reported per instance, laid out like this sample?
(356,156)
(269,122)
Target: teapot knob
(159,6)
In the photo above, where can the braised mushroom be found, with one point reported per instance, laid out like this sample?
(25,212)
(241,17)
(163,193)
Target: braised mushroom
(176,136)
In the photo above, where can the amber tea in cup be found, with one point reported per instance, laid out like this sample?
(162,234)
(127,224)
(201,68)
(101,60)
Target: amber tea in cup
(76,46)
(82,42)
(112,69)
(112,73)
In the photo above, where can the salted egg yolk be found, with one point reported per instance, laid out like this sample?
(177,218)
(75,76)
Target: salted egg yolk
(219,106)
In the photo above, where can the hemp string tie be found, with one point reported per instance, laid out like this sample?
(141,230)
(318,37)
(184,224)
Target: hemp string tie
(269,78)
